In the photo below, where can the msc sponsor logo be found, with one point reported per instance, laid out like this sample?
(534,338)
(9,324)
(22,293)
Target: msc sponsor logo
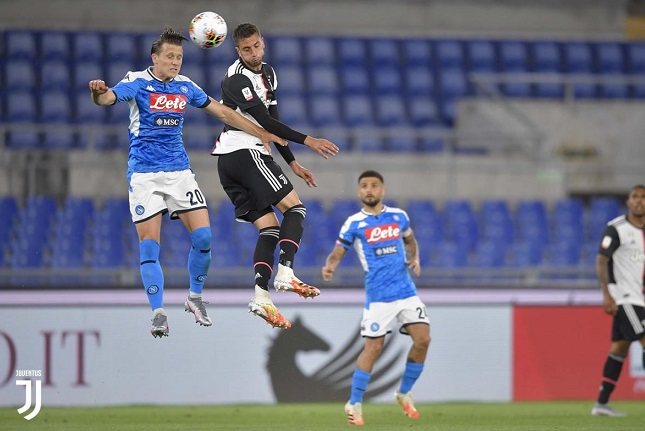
(382,233)
(166,121)
(383,251)
(167,102)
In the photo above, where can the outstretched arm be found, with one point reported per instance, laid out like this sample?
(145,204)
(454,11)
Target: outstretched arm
(332,262)
(229,116)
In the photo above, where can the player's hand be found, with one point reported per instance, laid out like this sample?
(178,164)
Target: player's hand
(609,305)
(327,273)
(414,266)
(303,173)
(267,138)
(321,146)
(98,86)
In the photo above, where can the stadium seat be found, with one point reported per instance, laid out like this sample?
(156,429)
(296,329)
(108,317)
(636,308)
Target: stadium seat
(21,107)
(490,254)
(433,140)
(324,111)
(54,45)
(293,111)
(384,52)
(525,254)
(635,58)
(532,221)
(121,47)
(387,80)
(601,211)
(451,255)
(419,81)
(339,136)
(423,112)
(284,50)
(320,51)
(291,80)
(87,46)
(401,141)
(481,56)
(417,52)
(460,223)
(24,140)
(610,58)
(357,110)
(86,112)
(20,75)
(564,253)
(195,73)
(449,54)
(55,75)
(55,107)
(368,141)
(116,71)
(351,52)
(390,111)
(84,72)
(546,59)
(20,45)
(452,83)
(496,221)
(578,60)
(355,80)
(322,80)
(514,59)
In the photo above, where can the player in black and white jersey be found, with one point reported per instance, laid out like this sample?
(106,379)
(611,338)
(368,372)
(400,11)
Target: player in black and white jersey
(254,182)
(620,267)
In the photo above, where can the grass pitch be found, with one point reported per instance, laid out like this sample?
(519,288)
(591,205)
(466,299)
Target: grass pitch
(529,416)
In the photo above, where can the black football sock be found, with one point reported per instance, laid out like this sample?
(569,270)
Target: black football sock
(293,225)
(610,375)
(264,255)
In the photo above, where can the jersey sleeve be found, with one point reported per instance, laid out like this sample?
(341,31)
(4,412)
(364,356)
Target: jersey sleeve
(610,241)
(239,89)
(126,89)
(406,229)
(199,97)
(346,235)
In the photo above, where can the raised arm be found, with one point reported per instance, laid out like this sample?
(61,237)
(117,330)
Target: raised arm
(101,93)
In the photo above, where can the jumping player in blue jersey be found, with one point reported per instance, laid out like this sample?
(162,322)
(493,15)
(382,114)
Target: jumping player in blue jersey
(159,174)
(388,251)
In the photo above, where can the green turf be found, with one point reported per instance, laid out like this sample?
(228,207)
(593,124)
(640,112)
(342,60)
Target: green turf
(534,416)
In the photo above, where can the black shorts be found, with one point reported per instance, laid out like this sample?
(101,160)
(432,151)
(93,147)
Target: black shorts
(629,323)
(253,182)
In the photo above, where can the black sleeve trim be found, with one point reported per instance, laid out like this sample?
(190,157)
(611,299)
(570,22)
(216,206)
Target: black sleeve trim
(208,102)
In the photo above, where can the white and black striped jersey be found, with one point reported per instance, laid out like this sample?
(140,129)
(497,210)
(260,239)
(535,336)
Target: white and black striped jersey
(624,244)
(243,88)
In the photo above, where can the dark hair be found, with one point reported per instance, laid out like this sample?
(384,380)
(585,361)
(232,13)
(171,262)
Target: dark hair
(244,31)
(637,186)
(371,174)
(168,36)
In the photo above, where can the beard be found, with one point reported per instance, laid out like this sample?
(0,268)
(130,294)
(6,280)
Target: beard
(371,202)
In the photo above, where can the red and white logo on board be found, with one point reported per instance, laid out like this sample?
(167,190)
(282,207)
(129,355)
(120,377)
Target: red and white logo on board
(167,102)
(382,233)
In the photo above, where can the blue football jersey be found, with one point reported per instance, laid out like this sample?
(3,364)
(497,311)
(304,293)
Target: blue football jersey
(378,242)
(156,119)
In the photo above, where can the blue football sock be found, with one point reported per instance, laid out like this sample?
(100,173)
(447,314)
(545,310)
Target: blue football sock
(151,273)
(410,376)
(359,386)
(199,258)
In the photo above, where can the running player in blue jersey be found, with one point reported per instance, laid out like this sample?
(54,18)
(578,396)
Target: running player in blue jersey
(388,251)
(255,183)
(159,174)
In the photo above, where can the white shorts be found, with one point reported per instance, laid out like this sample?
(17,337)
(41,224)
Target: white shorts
(152,193)
(378,319)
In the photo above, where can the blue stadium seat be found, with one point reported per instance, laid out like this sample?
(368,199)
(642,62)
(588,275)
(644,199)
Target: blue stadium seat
(402,142)
(496,221)
(490,254)
(514,59)
(525,254)
(417,52)
(355,80)
(460,223)
(546,59)
(481,56)
(387,80)
(610,57)
(86,111)
(452,83)
(195,72)
(578,60)
(87,46)
(55,107)
(565,253)
(433,140)
(357,110)
(368,141)
(601,210)
(284,50)
(193,56)
(532,221)
(21,107)
(614,87)
(449,53)
(116,71)
(390,111)
(423,112)
(635,58)
(419,81)
(351,51)
(55,75)
(84,72)
(290,80)
(293,111)
(20,45)
(121,47)
(451,255)
(20,75)
(322,80)
(339,136)
(54,45)
(324,111)
(320,51)
(24,140)
(384,52)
